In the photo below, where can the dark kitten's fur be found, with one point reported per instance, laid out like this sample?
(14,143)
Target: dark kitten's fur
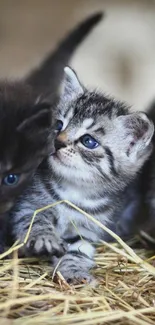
(26,117)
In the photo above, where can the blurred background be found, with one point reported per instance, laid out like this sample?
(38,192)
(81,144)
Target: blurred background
(118,57)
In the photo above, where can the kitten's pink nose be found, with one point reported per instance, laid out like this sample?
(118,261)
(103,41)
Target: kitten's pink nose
(62,137)
(59,144)
(61,141)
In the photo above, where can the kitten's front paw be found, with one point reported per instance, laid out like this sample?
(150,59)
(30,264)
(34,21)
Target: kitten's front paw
(44,244)
(76,268)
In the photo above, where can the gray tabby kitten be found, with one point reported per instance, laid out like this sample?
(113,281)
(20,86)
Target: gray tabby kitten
(101,147)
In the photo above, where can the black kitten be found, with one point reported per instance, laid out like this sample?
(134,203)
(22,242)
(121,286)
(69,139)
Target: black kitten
(26,117)
(146,218)
(138,216)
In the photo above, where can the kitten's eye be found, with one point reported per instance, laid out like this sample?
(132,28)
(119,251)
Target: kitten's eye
(89,142)
(11,180)
(59,125)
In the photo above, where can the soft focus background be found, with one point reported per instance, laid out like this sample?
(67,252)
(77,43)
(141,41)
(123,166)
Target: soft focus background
(118,57)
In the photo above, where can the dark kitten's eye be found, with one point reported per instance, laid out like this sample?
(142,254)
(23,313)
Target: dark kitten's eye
(89,142)
(10,179)
(59,125)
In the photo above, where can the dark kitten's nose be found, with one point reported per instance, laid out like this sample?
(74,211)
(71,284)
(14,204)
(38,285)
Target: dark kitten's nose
(59,144)
(5,207)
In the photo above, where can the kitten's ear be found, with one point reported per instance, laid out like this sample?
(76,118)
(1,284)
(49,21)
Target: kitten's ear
(37,129)
(39,119)
(137,131)
(71,86)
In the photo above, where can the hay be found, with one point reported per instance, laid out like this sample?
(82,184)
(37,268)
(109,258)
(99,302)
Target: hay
(125,293)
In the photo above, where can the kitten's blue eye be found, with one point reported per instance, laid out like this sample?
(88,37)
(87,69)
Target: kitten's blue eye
(89,142)
(59,125)
(11,179)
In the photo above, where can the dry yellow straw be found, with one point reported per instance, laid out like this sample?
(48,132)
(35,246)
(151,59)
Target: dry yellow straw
(131,254)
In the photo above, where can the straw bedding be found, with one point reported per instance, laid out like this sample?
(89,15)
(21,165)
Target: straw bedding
(124,294)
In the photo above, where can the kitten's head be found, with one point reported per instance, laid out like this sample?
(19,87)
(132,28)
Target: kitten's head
(99,141)
(25,138)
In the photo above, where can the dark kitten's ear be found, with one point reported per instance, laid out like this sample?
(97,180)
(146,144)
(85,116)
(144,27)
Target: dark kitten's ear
(37,129)
(39,119)
(71,86)
(138,132)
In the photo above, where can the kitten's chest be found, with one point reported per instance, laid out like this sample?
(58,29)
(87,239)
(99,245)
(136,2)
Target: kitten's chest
(81,198)
(66,213)
(96,207)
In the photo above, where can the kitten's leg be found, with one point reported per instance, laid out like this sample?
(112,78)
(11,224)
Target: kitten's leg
(45,241)
(77,262)
(43,238)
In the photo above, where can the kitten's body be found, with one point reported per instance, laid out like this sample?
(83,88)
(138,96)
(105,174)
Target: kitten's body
(94,179)
(27,117)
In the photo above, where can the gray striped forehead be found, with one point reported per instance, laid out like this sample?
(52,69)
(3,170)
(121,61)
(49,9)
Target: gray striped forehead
(91,106)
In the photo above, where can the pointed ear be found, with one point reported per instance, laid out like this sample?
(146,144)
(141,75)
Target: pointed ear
(71,86)
(40,119)
(138,132)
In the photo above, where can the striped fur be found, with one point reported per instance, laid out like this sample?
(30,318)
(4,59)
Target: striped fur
(94,180)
